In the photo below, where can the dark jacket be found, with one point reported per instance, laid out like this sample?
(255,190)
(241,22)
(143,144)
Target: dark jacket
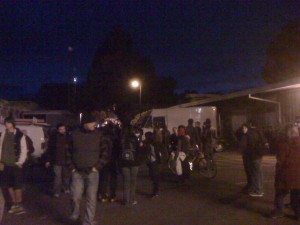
(255,143)
(158,150)
(58,151)
(288,167)
(89,149)
(138,155)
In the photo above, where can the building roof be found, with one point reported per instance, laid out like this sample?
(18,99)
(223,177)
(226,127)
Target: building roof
(285,85)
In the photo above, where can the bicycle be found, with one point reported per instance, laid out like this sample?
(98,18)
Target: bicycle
(199,161)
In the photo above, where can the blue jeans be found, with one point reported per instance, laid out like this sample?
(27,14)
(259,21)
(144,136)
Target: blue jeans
(129,176)
(80,182)
(61,179)
(253,169)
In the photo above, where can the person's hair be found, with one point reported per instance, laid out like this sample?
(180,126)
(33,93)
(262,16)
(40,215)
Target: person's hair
(60,125)
(190,121)
(207,121)
(181,126)
(10,120)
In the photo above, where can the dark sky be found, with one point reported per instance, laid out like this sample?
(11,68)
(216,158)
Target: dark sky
(209,46)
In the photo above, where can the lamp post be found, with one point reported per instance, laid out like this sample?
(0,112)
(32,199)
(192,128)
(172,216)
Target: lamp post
(137,84)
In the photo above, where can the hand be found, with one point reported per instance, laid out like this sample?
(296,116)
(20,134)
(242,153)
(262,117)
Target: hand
(19,165)
(47,164)
(94,169)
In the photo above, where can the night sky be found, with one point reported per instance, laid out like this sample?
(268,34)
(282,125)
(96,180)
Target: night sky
(209,46)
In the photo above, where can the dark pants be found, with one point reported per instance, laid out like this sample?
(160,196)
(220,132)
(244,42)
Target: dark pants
(253,169)
(129,176)
(186,171)
(108,180)
(154,173)
(295,200)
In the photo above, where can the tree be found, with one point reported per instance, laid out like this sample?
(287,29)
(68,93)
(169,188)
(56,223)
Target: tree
(115,63)
(283,55)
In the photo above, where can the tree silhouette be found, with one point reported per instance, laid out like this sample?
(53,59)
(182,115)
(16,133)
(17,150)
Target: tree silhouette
(283,55)
(115,63)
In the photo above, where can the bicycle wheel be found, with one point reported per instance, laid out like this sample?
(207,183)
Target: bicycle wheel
(207,167)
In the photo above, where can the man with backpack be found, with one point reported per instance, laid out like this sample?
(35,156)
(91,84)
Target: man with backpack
(129,162)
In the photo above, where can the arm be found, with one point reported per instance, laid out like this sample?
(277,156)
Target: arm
(23,153)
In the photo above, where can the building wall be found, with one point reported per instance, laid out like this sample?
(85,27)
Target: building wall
(290,105)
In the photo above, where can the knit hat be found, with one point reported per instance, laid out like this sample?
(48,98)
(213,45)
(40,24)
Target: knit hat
(88,118)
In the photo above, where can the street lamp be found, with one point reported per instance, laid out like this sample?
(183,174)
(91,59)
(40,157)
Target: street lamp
(137,84)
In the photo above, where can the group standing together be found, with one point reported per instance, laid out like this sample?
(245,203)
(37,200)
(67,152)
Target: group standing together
(89,160)
(252,144)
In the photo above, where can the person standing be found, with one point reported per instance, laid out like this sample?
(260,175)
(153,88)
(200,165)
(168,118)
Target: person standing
(58,156)
(13,154)
(89,153)
(287,177)
(199,134)
(153,151)
(129,164)
(108,174)
(253,144)
(191,131)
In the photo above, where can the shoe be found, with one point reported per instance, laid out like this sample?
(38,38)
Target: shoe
(134,203)
(73,219)
(113,199)
(154,195)
(56,195)
(12,209)
(104,200)
(19,210)
(275,214)
(256,194)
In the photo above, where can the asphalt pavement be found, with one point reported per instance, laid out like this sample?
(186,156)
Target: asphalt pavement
(199,201)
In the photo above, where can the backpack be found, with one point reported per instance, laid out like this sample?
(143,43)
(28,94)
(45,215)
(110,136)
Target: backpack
(128,149)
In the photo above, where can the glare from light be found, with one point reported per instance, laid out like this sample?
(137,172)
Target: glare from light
(75,79)
(135,83)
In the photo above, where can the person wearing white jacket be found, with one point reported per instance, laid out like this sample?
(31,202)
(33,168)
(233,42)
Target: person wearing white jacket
(13,154)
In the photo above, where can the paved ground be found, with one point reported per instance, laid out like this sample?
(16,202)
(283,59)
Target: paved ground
(215,202)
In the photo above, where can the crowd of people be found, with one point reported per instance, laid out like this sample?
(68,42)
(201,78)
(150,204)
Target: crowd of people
(89,160)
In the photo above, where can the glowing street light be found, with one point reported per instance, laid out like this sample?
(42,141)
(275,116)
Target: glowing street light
(137,84)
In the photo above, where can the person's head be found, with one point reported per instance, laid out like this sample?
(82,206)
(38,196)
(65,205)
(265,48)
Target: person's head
(197,124)
(174,130)
(89,122)
(61,128)
(181,130)
(9,123)
(207,122)
(244,128)
(190,122)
